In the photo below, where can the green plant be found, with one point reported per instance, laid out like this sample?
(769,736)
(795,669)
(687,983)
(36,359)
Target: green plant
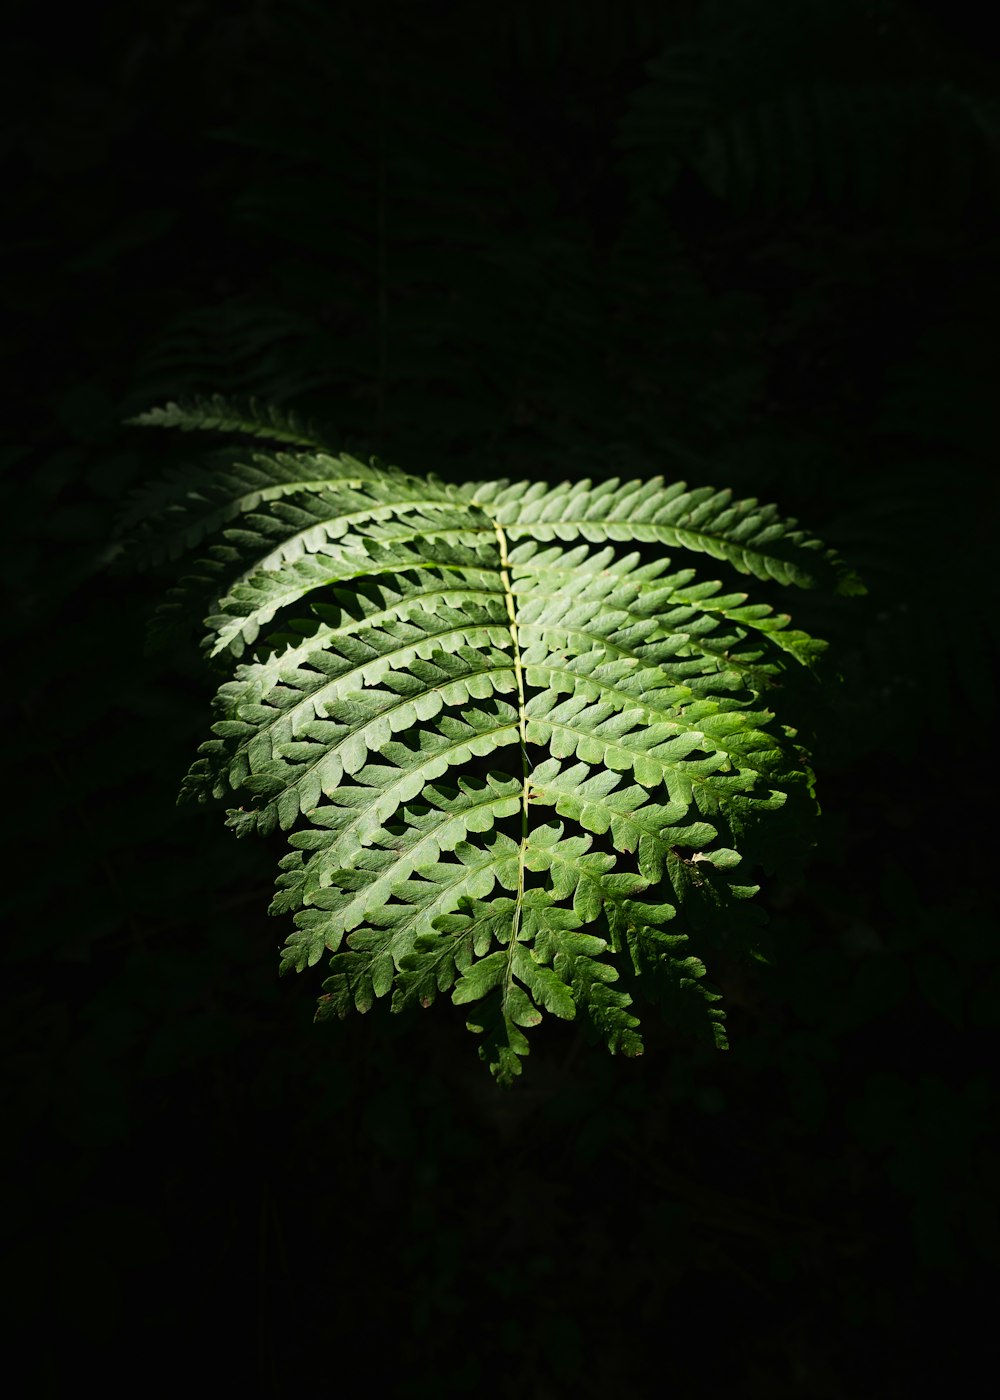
(515,763)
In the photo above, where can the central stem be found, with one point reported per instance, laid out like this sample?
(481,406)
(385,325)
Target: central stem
(522,728)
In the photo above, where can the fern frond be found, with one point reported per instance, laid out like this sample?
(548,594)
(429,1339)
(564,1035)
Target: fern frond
(665,117)
(532,930)
(218,414)
(176,514)
(264,729)
(683,753)
(355,814)
(842,143)
(640,611)
(669,850)
(408,718)
(598,803)
(245,579)
(721,106)
(444,541)
(671,982)
(295,762)
(271,701)
(753,538)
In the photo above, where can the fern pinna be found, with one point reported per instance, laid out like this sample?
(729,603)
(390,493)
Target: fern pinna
(515,763)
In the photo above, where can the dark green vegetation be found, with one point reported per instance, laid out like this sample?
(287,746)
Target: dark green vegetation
(380,618)
(746,244)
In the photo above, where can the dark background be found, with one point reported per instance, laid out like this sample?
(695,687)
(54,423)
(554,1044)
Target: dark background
(742,242)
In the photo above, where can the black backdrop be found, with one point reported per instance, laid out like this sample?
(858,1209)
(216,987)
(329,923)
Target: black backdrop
(740,241)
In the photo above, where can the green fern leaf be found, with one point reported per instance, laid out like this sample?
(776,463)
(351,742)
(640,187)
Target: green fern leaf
(260,594)
(752,538)
(218,414)
(534,777)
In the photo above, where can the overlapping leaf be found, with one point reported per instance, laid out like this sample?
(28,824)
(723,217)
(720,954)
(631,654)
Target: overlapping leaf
(194,503)
(752,538)
(421,538)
